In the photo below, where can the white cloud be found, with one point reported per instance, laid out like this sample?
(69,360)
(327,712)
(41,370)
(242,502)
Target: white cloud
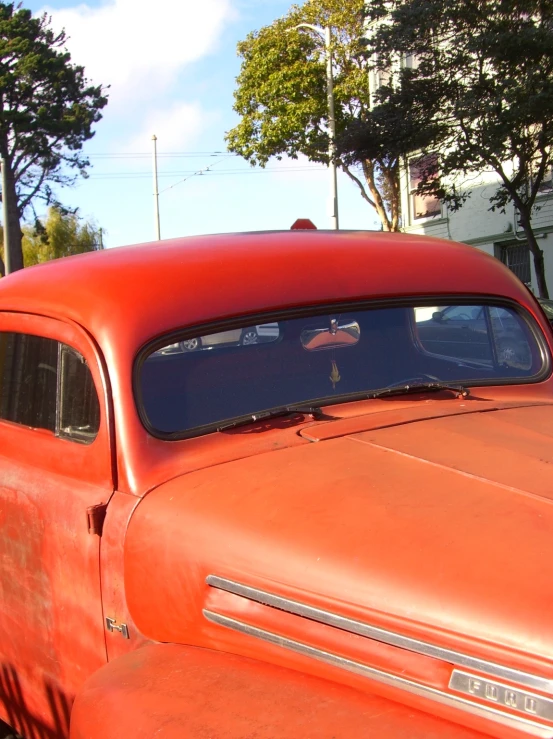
(139,47)
(175,127)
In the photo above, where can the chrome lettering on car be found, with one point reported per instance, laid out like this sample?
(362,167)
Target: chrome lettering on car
(502,695)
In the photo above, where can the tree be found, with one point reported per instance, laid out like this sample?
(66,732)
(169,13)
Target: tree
(483,75)
(62,234)
(47,111)
(282,100)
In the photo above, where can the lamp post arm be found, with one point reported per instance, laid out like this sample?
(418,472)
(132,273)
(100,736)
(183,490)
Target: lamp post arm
(317,29)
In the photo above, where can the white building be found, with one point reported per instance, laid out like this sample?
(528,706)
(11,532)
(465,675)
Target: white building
(496,233)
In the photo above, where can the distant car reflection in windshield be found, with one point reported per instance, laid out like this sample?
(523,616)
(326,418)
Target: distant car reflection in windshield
(235,337)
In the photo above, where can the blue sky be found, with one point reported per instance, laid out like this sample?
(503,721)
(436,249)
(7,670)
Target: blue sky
(172,66)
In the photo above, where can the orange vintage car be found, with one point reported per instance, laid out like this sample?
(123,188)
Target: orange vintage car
(341,529)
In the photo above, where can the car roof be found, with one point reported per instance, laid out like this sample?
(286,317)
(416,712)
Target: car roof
(140,292)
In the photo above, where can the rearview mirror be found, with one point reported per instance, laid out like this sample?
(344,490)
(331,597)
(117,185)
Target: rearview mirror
(335,337)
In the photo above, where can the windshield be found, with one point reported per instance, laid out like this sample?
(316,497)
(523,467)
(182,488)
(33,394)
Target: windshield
(197,383)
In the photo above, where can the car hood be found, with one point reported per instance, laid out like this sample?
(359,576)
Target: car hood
(434,539)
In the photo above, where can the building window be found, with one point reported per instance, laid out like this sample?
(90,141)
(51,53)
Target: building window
(378,78)
(411,61)
(383,77)
(516,256)
(423,206)
(546,185)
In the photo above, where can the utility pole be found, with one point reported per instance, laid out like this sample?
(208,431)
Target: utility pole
(156,192)
(331,130)
(326,35)
(7,245)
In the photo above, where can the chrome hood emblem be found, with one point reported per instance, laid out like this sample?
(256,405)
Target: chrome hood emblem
(502,695)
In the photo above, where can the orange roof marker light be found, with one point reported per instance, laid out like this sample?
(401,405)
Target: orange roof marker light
(303,224)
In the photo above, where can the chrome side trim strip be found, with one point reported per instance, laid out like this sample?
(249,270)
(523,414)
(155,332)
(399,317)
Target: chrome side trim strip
(532,728)
(382,635)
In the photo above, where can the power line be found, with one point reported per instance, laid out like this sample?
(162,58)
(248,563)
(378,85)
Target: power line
(166,155)
(191,173)
(206,173)
(205,170)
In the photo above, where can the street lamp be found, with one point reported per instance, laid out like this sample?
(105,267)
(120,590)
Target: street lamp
(324,33)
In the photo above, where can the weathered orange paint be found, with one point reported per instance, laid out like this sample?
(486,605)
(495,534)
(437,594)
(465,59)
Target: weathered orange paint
(366,532)
(201,693)
(50,599)
(427,515)
(114,601)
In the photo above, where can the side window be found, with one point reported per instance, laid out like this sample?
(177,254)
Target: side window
(47,385)
(28,380)
(78,406)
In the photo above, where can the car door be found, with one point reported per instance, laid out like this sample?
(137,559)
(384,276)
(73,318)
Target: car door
(55,474)
(457,331)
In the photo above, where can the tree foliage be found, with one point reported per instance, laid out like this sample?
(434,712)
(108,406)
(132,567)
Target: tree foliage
(483,80)
(62,234)
(47,112)
(281,97)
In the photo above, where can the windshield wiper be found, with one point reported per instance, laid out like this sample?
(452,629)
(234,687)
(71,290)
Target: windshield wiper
(415,387)
(318,414)
(286,410)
